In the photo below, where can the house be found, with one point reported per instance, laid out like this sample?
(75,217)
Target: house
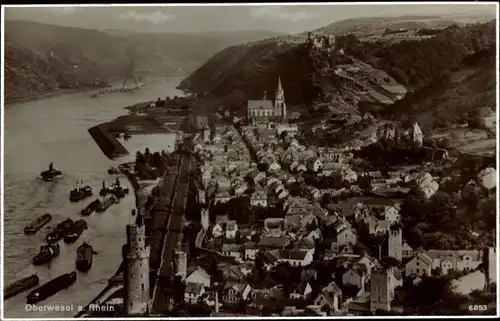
(361,212)
(391,213)
(313,193)
(269,242)
(232,272)
(235,292)
(257,176)
(349,175)
(419,265)
(315,164)
(223,183)
(356,275)
(376,226)
(294,258)
(218,229)
(259,198)
(329,296)
(407,251)
(274,226)
(447,260)
(368,261)
(193,292)
(250,250)
(301,291)
(199,276)
(346,236)
(231,229)
(275,166)
(233,250)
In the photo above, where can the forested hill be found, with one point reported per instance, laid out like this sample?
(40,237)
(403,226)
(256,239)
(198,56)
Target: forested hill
(42,58)
(310,79)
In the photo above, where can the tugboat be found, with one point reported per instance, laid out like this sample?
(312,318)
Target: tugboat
(84,257)
(118,190)
(60,231)
(91,207)
(50,174)
(75,231)
(106,204)
(46,254)
(37,224)
(76,194)
(86,189)
(21,286)
(104,190)
(52,287)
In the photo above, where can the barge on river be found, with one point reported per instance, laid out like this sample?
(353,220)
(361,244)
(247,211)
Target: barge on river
(84,256)
(91,207)
(60,231)
(52,287)
(106,204)
(37,224)
(75,231)
(21,286)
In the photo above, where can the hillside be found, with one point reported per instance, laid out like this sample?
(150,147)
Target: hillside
(472,83)
(374,74)
(41,58)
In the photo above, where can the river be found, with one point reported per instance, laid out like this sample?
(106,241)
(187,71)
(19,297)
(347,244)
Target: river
(55,130)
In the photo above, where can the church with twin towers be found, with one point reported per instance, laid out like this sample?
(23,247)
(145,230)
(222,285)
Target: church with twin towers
(264,110)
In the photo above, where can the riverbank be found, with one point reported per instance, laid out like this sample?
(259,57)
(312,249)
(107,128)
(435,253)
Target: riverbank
(54,94)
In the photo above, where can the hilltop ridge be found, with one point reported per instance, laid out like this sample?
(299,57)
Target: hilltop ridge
(42,58)
(359,72)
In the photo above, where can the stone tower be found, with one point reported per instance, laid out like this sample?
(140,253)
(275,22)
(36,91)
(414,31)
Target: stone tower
(418,136)
(136,269)
(381,290)
(205,218)
(490,258)
(181,263)
(395,244)
(279,102)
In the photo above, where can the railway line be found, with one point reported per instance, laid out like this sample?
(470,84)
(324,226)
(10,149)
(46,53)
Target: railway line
(167,225)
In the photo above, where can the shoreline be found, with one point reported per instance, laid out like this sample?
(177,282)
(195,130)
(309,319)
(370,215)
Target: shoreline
(53,94)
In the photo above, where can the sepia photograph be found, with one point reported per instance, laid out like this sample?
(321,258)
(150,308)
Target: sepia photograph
(246,160)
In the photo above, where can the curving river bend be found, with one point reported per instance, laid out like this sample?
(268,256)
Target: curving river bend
(55,130)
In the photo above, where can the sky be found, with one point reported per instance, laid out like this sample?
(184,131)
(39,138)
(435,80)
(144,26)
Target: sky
(279,18)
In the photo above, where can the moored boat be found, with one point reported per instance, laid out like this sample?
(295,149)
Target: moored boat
(91,207)
(21,286)
(52,287)
(104,190)
(106,204)
(60,231)
(84,257)
(46,254)
(76,194)
(37,224)
(75,231)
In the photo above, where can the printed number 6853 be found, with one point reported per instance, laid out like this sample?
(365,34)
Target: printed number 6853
(478,307)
